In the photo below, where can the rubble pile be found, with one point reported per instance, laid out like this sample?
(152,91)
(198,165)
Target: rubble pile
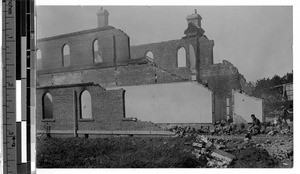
(240,153)
(281,129)
(281,149)
(188,130)
(228,145)
(210,149)
(226,128)
(218,128)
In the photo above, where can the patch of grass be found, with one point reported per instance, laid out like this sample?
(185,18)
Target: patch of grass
(115,152)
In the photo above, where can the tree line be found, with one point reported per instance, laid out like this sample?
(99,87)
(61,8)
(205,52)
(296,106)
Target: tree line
(271,85)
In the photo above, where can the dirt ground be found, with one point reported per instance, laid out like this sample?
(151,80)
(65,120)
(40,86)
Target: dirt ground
(261,151)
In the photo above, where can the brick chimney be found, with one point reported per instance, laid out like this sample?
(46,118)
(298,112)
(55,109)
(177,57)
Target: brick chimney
(102,18)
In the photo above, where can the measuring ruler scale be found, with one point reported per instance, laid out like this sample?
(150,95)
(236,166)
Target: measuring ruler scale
(9,86)
(18,84)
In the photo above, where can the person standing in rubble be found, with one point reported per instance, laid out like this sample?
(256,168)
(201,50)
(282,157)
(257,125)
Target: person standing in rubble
(256,125)
(284,114)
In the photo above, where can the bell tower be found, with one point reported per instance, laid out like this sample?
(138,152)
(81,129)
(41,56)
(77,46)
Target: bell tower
(195,19)
(194,25)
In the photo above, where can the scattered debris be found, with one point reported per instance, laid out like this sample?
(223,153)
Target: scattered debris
(209,143)
(246,140)
(247,152)
(271,133)
(228,128)
(210,148)
(129,119)
(196,153)
(197,144)
(248,135)
(224,156)
(220,146)
(268,142)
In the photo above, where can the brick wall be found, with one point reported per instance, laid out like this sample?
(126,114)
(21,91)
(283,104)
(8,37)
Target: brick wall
(221,78)
(81,52)
(107,110)
(134,74)
(109,72)
(206,51)
(62,116)
(143,74)
(165,54)
(81,47)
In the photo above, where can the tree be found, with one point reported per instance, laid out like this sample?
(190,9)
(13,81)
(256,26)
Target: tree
(267,85)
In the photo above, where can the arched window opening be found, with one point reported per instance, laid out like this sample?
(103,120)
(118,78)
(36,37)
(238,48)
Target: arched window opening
(181,57)
(39,59)
(66,56)
(47,106)
(97,52)
(149,55)
(86,105)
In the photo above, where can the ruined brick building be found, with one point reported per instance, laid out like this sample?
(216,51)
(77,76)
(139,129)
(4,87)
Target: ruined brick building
(95,80)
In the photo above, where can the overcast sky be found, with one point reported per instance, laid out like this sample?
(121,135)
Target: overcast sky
(257,40)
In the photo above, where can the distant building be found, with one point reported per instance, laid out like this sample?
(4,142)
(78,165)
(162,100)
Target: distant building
(288,91)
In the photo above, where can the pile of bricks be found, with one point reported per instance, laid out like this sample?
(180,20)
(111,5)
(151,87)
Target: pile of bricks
(188,130)
(217,158)
(272,129)
(217,129)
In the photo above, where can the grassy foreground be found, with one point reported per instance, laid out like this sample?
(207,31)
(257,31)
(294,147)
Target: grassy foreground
(116,152)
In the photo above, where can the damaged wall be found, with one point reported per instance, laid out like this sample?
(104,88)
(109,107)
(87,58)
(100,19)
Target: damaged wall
(107,110)
(223,77)
(206,51)
(245,105)
(134,74)
(113,44)
(182,102)
(66,105)
(199,53)
(165,55)
(124,65)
